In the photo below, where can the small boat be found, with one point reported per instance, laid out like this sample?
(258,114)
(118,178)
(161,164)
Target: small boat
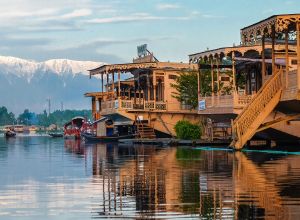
(10,133)
(73,128)
(56,134)
(93,138)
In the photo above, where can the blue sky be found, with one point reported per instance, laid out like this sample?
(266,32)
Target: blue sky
(109,31)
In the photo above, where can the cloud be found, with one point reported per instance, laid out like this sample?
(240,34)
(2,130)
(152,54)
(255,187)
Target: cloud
(289,2)
(167,6)
(266,11)
(213,16)
(195,12)
(133,18)
(77,13)
(27,13)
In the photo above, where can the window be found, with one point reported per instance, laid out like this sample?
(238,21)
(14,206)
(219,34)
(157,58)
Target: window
(294,62)
(225,79)
(172,76)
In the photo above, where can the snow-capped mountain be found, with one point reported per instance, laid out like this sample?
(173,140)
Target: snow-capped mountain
(27,84)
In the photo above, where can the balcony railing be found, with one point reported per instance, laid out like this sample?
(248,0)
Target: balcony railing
(234,100)
(129,104)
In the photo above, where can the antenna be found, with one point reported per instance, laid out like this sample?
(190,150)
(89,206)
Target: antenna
(62,105)
(49,105)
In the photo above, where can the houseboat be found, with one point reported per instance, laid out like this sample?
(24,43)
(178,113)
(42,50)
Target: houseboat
(266,66)
(145,100)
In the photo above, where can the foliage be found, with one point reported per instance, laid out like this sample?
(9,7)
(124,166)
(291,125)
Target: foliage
(205,77)
(241,80)
(5,117)
(61,117)
(24,118)
(187,88)
(185,130)
(228,89)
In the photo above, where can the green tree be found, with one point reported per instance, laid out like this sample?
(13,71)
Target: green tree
(187,88)
(25,117)
(5,117)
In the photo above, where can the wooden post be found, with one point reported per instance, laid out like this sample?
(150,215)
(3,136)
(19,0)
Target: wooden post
(263,71)
(119,83)
(113,84)
(94,108)
(148,86)
(154,86)
(140,96)
(99,104)
(102,83)
(233,73)
(212,82)
(107,75)
(134,95)
(287,58)
(218,93)
(298,54)
(273,49)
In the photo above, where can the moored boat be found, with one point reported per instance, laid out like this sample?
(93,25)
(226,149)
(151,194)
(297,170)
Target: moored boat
(10,133)
(93,138)
(73,127)
(56,134)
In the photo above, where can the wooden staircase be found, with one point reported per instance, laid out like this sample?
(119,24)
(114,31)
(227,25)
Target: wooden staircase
(144,130)
(262,104)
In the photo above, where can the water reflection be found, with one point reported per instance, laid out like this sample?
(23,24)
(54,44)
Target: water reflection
(101,180)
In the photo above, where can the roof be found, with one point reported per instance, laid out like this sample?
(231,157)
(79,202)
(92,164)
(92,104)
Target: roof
(76,121)
(101,119)
(129,67)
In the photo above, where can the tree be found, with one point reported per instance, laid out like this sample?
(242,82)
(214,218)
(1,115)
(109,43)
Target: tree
(5,117)
(25,117)
(187,88)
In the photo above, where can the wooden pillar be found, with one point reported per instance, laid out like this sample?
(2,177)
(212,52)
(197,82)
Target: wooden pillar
(119,83)
(154,86)
(102,82)
(148,87)
(99,104)
(198,77)
(263,69)
(233,72)
(273,49)
(134,95)
(218,93)
(113,84)
(287,58)
(298,54)
(107,75)
(212,81)
(140,96)
(94,107)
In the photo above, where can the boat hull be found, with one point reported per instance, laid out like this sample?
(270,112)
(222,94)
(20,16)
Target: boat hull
(55,135)
(92,138)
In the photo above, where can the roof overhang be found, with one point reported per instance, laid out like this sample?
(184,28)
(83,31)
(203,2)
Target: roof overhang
(278,23)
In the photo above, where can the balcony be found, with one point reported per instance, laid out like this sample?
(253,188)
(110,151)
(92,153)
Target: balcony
(112,106)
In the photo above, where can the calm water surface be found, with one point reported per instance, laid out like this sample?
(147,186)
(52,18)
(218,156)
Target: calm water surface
(53,178)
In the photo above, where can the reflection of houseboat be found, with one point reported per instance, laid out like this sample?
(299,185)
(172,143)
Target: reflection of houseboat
(72,128)
(104,130)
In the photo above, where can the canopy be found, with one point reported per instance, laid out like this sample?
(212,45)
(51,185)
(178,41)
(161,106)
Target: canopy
(277,61)
(76,121)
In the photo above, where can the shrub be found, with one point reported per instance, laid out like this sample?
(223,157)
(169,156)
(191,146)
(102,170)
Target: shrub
(185,130)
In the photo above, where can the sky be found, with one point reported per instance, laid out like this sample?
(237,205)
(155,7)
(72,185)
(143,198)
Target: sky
(110,31)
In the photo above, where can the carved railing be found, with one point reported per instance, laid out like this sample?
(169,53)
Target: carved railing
(149,105)
(257,104)
(224,100)
(125,104)
(242,100)
(161,106)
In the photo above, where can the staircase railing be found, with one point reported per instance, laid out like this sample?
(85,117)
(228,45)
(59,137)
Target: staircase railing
(257,104)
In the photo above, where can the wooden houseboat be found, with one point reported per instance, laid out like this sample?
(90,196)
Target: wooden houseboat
(73,128)
(268,61)
(146,100)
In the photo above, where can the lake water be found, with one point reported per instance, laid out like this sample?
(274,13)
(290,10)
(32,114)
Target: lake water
(53,178)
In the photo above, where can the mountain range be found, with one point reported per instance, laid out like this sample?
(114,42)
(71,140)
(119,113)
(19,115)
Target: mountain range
(27,84)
